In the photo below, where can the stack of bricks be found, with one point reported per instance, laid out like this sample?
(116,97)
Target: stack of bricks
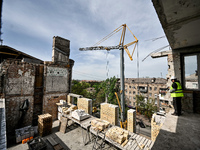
(85,104)
(131,118)
(110,113)
(156,124)
(44,124)
(117,134)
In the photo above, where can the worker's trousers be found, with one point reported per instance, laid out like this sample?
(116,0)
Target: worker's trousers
(177,105)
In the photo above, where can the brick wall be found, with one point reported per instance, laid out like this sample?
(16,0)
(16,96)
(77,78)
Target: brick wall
(19,86)
(85,104)
(49,103)
(110,113)
(131,120)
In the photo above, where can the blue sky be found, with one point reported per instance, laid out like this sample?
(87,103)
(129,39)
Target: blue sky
(29,26)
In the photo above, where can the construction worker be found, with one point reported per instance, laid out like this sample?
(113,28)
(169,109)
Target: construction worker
(177,93)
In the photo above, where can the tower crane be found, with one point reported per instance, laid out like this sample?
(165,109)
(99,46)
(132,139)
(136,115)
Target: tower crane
(121,47)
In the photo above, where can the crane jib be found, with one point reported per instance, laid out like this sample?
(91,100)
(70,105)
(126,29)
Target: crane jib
(99,48)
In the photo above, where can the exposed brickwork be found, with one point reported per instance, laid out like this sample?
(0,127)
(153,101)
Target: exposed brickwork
(187,102)
(42,84)
(49,104)
(20,79)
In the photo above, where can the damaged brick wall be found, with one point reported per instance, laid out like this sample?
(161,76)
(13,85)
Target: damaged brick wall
(19,86)
(57,76)
(56,87)
(49,103)
(42,84)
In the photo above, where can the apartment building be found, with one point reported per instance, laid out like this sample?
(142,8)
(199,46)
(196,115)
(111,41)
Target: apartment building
(147,87)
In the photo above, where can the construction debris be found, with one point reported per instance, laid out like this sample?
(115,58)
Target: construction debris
(99,124)
(80,114)
(118,135)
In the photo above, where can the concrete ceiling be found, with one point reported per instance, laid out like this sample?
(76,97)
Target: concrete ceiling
(180,20)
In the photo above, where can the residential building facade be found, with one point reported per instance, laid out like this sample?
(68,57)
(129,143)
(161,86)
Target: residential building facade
(150,88)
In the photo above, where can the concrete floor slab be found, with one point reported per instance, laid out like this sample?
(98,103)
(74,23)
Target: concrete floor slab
(179,132)
(71,140)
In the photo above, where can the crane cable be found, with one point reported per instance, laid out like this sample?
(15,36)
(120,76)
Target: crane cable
(107,74)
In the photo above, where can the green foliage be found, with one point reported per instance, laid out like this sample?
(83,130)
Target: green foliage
(107,87)
(146,108)
(80,88)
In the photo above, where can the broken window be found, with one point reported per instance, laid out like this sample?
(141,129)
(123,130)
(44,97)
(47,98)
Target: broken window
(191,71)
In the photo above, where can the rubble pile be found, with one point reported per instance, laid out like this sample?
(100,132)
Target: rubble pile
(99,124)
(117,134)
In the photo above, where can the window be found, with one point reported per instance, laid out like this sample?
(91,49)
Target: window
(150,88)
(191,71)
(150,94)
(130,87)
(155,88)
(133,92)
(129,92)
(130,97)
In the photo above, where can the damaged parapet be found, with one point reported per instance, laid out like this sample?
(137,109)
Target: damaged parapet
(156,124)
(60,50)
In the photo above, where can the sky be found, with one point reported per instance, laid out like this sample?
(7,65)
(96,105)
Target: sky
(30,25)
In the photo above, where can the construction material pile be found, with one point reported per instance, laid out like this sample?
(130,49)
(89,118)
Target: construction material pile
(118,135)
(80,114)
(99,124)
(68,110)
(24,133)
(44,124)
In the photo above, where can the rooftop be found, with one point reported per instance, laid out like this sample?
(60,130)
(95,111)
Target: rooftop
(146,80)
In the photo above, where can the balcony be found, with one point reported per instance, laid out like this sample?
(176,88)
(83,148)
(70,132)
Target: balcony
(143,89)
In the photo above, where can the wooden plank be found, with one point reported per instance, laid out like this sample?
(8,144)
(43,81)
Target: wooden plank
(131,141)
(52,141)
(152,143)
(58,147)
(64,123)
(140,142)
(134,145)
(147,144)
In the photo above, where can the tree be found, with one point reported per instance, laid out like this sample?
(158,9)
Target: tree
(80,88)
(109,87)
(146,108)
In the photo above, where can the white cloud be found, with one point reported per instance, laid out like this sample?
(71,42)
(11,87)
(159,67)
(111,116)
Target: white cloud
(34,23)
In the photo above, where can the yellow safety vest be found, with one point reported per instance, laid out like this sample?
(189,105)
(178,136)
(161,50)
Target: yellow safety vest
(178,92)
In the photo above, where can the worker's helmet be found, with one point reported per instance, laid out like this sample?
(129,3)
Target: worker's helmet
(173,78)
